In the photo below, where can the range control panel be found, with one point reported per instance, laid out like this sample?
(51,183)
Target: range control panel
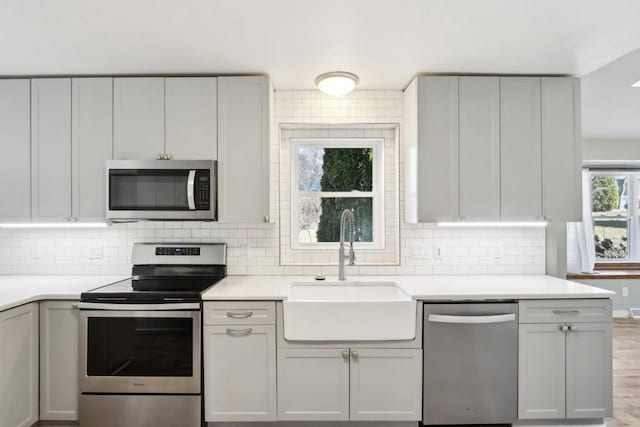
(164,250)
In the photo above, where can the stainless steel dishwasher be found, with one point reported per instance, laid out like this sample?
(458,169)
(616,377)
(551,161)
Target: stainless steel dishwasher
(470,363)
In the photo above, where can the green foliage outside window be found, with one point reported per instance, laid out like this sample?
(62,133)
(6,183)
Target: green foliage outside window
(605,195)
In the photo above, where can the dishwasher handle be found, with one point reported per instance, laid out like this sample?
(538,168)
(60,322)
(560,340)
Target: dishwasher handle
(498,318)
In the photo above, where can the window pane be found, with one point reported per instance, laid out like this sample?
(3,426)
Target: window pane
(319,218)
(335,169)
(609,198)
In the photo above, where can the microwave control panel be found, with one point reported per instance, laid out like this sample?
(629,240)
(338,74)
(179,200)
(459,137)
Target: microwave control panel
(203,190)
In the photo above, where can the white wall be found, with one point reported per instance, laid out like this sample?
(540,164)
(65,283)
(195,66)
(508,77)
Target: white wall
(611,149)
(254,248)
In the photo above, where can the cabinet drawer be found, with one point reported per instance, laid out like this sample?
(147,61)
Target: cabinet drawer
(558,311)
(239,313)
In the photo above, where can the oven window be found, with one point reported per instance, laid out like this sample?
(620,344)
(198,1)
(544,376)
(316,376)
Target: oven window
(139,347)
(148,189)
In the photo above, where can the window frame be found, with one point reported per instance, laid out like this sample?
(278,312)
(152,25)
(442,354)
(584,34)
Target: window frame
(377,194)
(633,218)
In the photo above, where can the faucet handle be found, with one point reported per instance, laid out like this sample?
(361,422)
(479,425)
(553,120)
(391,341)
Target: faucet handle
(352,256)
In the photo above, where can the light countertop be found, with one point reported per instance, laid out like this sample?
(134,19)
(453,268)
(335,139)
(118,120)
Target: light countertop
(18,290)
(431,288)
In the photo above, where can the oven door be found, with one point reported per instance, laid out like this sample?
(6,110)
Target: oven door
(160,189)
(126,351)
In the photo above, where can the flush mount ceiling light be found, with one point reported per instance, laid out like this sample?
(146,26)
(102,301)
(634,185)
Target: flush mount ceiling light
(337,83)
(636,84)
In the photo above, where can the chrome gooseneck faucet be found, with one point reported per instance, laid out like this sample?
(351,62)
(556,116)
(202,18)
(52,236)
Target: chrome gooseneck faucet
(346,215)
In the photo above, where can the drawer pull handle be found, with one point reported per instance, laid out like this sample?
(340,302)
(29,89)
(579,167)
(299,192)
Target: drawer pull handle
(244,315)
(239,332)
(568,312)
(345,354)
(354,355)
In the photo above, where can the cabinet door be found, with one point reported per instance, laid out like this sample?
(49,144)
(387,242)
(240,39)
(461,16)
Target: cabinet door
(15,144)
(59,360)
(437,149)
(51,149)
(589,370)
(561,155)
(479,148)
(19,366)
(138,118)
(191,114)
(91,144)
(240,373)
(243,149)
(313,385)
(386,384)
(541,371)
(520,149)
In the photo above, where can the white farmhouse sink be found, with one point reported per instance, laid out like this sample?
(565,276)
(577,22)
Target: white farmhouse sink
(348,311)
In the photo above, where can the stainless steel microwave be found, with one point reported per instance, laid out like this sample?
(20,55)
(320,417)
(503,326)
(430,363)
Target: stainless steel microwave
(162,189)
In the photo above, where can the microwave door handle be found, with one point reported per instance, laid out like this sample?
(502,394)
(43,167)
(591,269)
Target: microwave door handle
(191,185)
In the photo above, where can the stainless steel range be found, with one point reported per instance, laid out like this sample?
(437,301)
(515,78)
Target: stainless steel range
(140,339)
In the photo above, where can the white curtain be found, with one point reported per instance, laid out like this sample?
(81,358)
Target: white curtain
(581,251)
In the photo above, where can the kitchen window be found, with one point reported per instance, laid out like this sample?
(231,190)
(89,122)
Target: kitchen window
(328,176)
(615,197)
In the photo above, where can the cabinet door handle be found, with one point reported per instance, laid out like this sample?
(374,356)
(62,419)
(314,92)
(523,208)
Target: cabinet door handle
(564,328)
(244,315)
(354,355)
(573,328)
(567,312)
(75,306)
(239,332)
(345,354)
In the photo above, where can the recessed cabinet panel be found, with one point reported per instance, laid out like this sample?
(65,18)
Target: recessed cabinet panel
(191,108)
(520,149)
(240,373)
(589,370)
(437,148)
(479,148)
(138,118)
(386,384)
(15,143)
(19,366)
(541,369)
(92,145)
(313,385)
(561,155)
(51,149)
(243,149)
(59,361)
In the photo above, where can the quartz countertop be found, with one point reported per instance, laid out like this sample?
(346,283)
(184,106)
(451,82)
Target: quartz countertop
(431,288)
(17,290)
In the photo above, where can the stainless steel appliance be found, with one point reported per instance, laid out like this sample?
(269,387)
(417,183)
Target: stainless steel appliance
(470,363)
(162,189)
(140,339)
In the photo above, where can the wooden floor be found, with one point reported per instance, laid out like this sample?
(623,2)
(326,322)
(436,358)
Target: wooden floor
(626,374)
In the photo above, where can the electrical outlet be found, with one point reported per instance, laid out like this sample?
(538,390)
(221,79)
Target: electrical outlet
(625,291)
(437,252)
(96,253)
(422,252)
(36,253)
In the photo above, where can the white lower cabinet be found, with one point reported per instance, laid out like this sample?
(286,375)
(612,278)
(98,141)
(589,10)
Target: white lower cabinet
(240,373)
(386,385)
(19,366)
(342,384)
(565,368)
(59,361)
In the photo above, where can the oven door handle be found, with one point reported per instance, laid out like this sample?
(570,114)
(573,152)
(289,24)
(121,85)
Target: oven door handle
(191,187)
(138,307)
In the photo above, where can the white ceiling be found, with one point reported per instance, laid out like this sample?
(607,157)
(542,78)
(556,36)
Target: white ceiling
(610,106)
(385,42)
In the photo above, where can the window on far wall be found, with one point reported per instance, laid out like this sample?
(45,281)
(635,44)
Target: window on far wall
(328,176)
(614,210)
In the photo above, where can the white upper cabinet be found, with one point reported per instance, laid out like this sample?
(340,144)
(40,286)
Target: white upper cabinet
(243,149)
(431,140)
(51,149)
(561,154)
(15,143)
(138,118)
(492,148)
(520,148)
(191,114)
(479,167)
(92,145)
